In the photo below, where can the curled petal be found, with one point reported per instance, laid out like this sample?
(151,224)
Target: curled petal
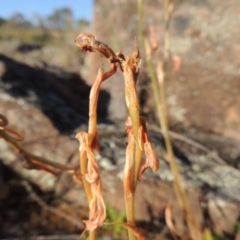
(136,60)
(87,43)
(92,174)
(84,42)
(132,66)
(92,169)
(151,159)
(97,208)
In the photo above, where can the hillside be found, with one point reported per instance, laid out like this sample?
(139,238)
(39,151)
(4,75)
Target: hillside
(44,92)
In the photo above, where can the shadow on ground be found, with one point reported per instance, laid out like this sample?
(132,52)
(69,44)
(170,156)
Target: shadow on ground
(62,96)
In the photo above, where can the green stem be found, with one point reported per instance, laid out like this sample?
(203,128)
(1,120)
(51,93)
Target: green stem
(133,108)
(92,235)
(158,85)
(129,202)
(87,186)
(149,61)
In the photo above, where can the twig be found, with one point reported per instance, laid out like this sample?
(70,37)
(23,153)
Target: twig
(158,84)
(36,159)
(53,210)
(191,142)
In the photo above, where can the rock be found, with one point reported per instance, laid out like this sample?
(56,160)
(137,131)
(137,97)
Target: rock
(237,237)
(48,105)
(28,47)
(41,105)
(223,213)
(203,35)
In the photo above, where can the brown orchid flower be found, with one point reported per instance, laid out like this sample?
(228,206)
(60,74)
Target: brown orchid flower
(151,157)
(144,142)
(97,207)
(86,42)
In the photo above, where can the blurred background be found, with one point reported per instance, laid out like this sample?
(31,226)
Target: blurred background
(44,88)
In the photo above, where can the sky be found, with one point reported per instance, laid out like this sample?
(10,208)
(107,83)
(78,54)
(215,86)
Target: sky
(80,8)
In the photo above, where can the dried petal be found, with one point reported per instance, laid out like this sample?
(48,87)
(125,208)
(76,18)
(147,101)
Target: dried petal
(86,43)
(132,66)
(151,157)
(97,206)
(136,57)
(92,175)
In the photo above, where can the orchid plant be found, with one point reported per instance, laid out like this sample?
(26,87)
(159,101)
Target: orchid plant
(138,140)
(87,172)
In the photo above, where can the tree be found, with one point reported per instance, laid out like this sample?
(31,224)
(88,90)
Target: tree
(61,19)
(20,20)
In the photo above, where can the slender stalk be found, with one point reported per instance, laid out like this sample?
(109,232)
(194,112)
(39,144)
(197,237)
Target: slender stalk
(83,167)
(87,187)
(158,84)
(133,108)
(92,130)
(130,206)
(130,78)
(147,54)
(92,235)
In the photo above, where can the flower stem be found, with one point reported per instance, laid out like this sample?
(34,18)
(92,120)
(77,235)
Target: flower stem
(133,108)
(158,84)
